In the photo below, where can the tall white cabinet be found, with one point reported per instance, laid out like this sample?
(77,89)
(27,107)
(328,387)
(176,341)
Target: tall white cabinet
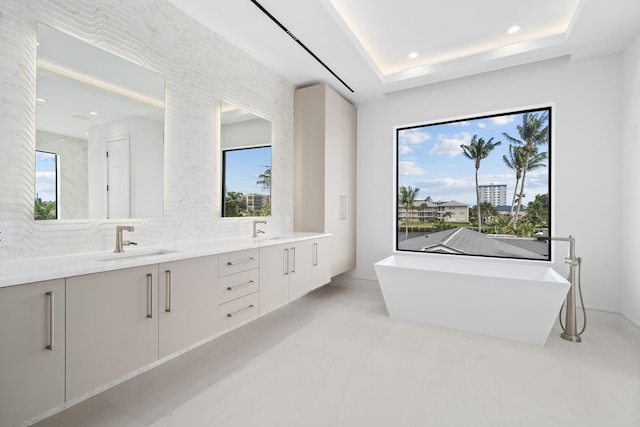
(325,171)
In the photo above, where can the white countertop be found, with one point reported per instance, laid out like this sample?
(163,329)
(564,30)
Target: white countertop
(17,272)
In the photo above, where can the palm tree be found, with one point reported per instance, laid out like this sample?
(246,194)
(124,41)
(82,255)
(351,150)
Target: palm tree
(264,179)
(477,150)
(515,160)
(534,132)
(406,200)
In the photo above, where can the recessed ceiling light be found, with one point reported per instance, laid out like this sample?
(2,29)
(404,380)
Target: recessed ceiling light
(41,100)
(514,29)
(93,113)
(413,55)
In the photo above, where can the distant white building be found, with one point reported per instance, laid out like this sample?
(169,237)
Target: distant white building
(496,194)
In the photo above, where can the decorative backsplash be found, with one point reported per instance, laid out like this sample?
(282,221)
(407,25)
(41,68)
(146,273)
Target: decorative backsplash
(201,69)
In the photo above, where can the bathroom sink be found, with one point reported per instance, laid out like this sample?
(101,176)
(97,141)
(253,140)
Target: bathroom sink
(129,256)
(267,239)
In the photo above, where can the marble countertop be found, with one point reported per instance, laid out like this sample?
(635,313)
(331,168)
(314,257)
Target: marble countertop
(17,272)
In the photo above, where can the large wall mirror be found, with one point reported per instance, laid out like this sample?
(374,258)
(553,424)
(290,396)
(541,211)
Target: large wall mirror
(246,163)
(99,133)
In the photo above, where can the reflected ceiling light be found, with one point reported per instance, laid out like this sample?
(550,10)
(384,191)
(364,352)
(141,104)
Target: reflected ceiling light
(93,113)
(41,100)
(413,55)
(514,29)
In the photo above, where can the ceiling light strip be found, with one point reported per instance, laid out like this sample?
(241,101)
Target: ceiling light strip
(290,34)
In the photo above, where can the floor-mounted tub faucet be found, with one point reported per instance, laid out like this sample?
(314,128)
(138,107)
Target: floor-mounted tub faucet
(255,227)
(570,328)
(119,242)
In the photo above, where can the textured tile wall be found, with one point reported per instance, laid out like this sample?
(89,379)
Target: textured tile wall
(201,69)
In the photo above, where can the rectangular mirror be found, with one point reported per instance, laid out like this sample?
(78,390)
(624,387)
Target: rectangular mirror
(246,163)
(102,118)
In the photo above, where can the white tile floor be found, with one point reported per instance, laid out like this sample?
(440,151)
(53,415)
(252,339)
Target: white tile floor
(334,358)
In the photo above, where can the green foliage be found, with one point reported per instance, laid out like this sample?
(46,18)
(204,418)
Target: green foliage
(442,226)
(44,210)
(538,211)
(234,204)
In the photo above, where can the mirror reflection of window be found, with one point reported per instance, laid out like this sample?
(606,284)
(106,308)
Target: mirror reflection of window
(46,197)
(245,142)
(247,182)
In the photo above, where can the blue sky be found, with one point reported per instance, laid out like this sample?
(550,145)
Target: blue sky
(430,158)
(243,168)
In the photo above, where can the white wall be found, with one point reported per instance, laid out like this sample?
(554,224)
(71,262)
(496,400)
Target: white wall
(630,203)
(587,147)
(200,68)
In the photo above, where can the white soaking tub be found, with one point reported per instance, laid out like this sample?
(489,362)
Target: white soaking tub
(507,300)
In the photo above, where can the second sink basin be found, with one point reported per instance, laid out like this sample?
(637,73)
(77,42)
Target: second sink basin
(129,256)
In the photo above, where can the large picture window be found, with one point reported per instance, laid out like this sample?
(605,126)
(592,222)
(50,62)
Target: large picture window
(478,186)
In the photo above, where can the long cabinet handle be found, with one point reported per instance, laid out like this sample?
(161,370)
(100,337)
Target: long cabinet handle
(315,254)
(150,296)
(241,285)
(251,307)
(242,261)
(168,303)
(344,207)
(286,262)
(293,251)
(52,320)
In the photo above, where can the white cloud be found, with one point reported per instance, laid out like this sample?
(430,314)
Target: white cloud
(482,125)
(410,168)
(450,146)
(413,136)
(403,150)
(502,120)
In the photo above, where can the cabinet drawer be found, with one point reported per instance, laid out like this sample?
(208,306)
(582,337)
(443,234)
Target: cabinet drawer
(235,262)
(238,285)
(238,311)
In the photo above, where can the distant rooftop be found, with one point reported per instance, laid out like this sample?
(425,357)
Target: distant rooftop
(462,241)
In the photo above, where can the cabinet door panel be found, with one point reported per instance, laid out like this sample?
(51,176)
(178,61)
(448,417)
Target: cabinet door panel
(274,277)
(188,308)
(31,375)
(112,326)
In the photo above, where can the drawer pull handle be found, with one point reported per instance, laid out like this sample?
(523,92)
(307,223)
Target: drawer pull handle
(242,261)
(251,307)
(241,285)
(52,317)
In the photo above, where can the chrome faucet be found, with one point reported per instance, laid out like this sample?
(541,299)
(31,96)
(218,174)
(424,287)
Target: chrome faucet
(119,242)
(255,227)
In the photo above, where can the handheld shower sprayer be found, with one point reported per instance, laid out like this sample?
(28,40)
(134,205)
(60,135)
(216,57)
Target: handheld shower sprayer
(570,330)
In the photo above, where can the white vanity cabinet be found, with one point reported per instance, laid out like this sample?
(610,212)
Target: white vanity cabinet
(309,266)
(187,298)
(112,326)
(325,171)
(289,271)
(238,288)
(32,354)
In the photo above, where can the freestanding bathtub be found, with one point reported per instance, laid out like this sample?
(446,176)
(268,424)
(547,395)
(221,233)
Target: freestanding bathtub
(514,301)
